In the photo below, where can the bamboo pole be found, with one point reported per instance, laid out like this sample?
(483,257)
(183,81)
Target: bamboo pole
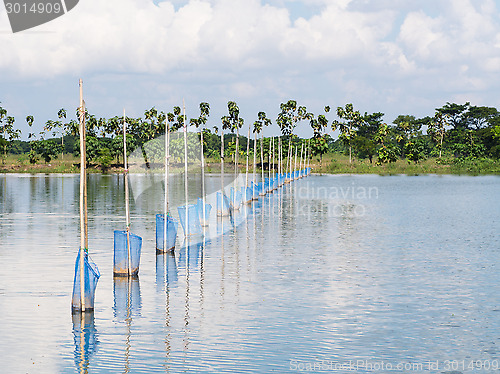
(262,164)
(127,208)
(270,152)
(254,163)
(185,167)
(165,198)
(221,171)
(280,160)
(301,166)
(203,197)
(82,200)
(295,163)
(248,151)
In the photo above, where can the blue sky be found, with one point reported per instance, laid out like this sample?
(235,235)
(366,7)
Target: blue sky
(390,56)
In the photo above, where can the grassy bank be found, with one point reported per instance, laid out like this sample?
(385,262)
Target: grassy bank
(331,164)
(339,164)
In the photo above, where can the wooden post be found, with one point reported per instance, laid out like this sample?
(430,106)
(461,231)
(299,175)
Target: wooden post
(203,178)
(127,209)
(254,162)
(185,167)
(248,151)
(262,163)
(221,171)
(165,201)
(82,200)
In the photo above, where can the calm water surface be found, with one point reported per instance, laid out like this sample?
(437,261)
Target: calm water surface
(369,269)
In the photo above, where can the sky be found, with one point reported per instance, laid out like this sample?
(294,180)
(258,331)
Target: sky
(390,56)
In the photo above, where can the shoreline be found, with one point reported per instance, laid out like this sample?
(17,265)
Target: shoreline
(331,165)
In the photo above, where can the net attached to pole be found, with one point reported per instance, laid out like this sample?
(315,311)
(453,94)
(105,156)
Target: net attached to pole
(208,209)
(247,194)
(90,275)
(223,205)
(190,219)
(172,226)
(235,199)
(121,266)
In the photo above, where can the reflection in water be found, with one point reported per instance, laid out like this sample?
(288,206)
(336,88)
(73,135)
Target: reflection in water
(127,292)
(85,337)
(190,254)
(166,278)
(166,271)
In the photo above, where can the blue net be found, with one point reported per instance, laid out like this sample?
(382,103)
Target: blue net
(172,226)
(222,205)
(255,190)
(190,219)
(247,194)
(235,199)
(262,190)
(121,264)
(91,276)
(208,209)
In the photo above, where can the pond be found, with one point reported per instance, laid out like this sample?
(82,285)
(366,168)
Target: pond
(331,273)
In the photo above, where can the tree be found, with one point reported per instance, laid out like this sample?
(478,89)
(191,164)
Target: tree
(353,121)
(364,141)
(201,122)
(437,130)
(257,128)
(7,129)
(32,155)
(480,116)
(319,142)
(386,152)
(408,129)
(233,122)
(455,114)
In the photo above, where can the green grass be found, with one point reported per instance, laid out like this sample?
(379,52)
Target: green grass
(331,164)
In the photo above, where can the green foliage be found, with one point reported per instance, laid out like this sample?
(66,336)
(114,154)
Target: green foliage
(289,116)
(48,149)
(386,152)
(104,158)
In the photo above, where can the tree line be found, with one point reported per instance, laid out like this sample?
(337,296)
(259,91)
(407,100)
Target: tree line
(455,131)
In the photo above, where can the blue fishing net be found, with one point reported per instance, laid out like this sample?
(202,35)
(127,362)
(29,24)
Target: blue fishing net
(222,205)
(91,276)
(247,194)
(235,199)
(208,209)
(190,219)
(172,226)
(121,264)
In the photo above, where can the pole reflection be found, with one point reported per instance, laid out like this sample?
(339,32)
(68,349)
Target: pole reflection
(127,303)
(86,340)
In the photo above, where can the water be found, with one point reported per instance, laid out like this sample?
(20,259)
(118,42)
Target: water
(368,273)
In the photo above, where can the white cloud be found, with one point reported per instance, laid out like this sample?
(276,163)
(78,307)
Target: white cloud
(390,53)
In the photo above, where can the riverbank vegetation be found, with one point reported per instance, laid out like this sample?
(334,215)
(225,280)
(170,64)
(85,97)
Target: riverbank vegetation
(455,139)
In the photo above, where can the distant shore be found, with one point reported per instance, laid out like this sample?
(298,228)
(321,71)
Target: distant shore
(331,164)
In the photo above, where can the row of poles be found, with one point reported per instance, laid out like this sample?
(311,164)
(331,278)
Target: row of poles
(194,218)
